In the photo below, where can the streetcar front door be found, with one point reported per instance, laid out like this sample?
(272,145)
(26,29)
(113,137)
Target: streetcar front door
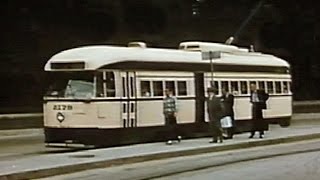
(129,103)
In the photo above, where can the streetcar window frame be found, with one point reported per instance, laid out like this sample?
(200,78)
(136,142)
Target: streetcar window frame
(270,87)
(157,90)
(262,85)
(278,88)
(285,87)
(170,85)
(109,84)
(225,84)
(182,89)
(145,88)
(234,87)
(244,90)
(290,87)
(100,89)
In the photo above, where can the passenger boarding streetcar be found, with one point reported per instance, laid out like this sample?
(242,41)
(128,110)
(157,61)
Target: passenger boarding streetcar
(109,95)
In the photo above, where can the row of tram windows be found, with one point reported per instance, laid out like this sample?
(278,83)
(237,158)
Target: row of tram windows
(102,84)
(243,87)
(156,88)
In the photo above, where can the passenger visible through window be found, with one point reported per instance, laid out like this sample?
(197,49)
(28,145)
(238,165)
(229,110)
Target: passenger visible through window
(145,88)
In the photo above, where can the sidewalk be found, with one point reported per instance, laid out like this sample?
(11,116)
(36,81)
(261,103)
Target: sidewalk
(54,164)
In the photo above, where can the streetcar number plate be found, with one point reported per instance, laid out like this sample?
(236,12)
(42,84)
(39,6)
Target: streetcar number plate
(62,107)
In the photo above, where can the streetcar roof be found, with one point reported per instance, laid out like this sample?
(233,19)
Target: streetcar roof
(95,57)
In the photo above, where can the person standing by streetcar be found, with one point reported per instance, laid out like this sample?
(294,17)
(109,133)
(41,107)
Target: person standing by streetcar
(215,112)
(227,100)
(170,111)
(258,100)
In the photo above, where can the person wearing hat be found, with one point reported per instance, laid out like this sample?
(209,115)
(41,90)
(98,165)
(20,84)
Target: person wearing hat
(215,112)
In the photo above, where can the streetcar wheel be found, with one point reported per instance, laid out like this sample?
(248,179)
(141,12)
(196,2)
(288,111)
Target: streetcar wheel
(285,122)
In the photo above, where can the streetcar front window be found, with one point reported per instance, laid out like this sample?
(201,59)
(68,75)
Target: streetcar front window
(71,85)
(79,89)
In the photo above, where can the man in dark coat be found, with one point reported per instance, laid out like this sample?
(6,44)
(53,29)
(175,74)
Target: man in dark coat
(227,100)
(258,100)
(215,113)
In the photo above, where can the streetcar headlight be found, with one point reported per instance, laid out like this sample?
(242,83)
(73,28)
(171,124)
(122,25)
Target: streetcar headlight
(60,117)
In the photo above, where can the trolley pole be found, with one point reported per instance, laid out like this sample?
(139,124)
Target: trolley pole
(211,68)
(210,55)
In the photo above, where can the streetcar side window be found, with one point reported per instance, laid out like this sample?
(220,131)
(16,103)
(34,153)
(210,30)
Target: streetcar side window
(290,86)
(157,88)
(270,87)
(225,85)
(145,88)
(278,87)
(261,85)
(244,87)
(99,85)
(170,85)
(234,87)
(110,84)
(285,87)
(182,88)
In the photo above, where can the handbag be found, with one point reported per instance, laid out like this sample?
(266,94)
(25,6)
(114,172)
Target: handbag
(226,122)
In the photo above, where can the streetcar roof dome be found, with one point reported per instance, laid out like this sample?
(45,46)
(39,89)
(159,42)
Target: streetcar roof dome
(208,46)
(95,57)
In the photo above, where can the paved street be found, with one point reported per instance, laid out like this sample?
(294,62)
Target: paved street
(282,161)
(23,143)
(291,167)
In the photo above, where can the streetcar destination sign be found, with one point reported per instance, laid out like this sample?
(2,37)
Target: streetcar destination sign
(209,55)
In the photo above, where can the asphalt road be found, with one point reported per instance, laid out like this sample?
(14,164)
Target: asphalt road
(268,162)
(291,167)
(27,142)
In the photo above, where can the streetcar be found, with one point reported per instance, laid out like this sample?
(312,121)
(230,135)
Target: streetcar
(111,95)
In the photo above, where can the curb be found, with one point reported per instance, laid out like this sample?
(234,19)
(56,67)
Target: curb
(21,121)
(20,115)
(40,173)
